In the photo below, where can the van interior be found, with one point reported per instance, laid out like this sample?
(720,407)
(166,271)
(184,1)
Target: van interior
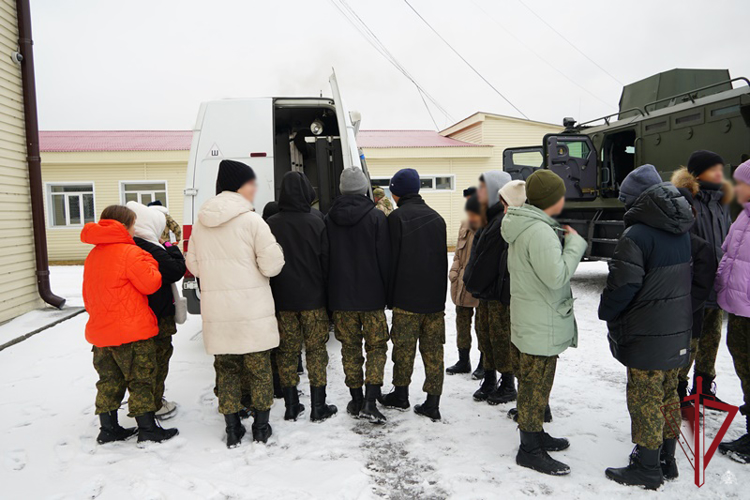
(618,160)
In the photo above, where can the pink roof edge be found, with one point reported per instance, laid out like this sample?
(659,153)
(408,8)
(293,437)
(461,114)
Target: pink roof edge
(69,141)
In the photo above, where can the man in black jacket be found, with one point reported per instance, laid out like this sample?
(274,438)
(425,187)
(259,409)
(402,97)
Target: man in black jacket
(416,293)
(357,282)
(487,279)
(300,295)
(648,308)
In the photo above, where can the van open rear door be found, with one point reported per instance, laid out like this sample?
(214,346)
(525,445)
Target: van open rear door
(347,130)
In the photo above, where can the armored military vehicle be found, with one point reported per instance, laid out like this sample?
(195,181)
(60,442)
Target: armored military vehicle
(662,119)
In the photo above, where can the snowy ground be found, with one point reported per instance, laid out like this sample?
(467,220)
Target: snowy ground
(48,430)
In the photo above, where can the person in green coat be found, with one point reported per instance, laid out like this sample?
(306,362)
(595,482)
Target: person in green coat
(541,309)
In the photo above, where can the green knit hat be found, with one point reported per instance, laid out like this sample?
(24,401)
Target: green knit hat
(544,188)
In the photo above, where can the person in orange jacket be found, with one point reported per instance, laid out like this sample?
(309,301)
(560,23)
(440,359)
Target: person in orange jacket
(118,277)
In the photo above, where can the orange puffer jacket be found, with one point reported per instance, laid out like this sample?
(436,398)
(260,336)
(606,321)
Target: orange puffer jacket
(117,279)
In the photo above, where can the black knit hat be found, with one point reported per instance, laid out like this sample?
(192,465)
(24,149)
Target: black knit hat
(473,205)
(233,175)
(702,160)
(469,191)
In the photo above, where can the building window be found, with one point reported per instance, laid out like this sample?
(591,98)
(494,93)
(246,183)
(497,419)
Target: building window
(427,182)
(71,204)
(144,192)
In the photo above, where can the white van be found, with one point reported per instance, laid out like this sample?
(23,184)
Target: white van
(314,135)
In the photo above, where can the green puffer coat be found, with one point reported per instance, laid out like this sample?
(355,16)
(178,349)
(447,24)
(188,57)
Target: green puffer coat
(541,304)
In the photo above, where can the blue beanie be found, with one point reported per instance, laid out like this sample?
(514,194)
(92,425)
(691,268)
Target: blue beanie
(637,182)
(406,181)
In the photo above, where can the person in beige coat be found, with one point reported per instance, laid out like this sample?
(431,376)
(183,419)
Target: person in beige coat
(233,253)
(464,301)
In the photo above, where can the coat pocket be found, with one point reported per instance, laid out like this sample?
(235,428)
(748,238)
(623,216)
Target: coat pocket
(564,308)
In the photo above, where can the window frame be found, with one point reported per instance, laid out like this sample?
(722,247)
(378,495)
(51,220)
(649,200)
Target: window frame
(432,177)
(147,181)
(50,206)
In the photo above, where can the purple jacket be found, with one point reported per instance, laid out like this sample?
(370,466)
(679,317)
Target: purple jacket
(733,277)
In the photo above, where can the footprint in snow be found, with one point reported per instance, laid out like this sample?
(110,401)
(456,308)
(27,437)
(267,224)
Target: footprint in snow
(16,459)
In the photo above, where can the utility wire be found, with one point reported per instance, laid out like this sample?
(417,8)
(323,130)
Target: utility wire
(464,60)
(569,42)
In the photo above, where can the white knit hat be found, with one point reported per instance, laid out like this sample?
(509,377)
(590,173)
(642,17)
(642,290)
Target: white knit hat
(514,193)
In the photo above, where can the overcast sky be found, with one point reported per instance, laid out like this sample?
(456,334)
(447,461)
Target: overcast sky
(148,64)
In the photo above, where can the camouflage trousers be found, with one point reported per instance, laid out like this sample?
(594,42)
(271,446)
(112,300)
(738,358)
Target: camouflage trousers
(535,375)
(464,316)
(684,372)
(351,328)
(427,330)
(295,329)
(233,371)
(738,341)
(125,367)
(164,350)
(493,335)
(648,392)
(708,345)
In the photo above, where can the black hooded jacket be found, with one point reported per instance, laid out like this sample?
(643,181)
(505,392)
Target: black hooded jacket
(647,301)
(172,268)
(359,258)
(419,266)
(486,275)
(301,285)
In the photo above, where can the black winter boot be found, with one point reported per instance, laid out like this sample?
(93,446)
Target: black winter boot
(110,429)
(513,414)
(479,372)
(532,454)
(300,368)
(370,408)
(463,365)
(235,430)
(738,444)
(150,431)
(398,398)
(668,462)
(550,443)
(320,410)
(487,386)
(355,405)
(293,407)
(261,428)
(505,392)
(278,392)
(708,389)
(430,408)
(644,469)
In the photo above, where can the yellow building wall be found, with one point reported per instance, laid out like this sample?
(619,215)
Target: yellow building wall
(106,170)
(18,292)
(505,133)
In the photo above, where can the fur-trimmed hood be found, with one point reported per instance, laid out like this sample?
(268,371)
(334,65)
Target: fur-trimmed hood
(681,178)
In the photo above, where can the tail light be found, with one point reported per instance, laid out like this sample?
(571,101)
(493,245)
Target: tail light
(187,230)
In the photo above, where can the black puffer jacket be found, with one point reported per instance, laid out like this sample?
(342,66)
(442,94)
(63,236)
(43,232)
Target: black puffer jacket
(172,268)
(486,275)
(419,266)
(647,301)
(301,285)
(360,254)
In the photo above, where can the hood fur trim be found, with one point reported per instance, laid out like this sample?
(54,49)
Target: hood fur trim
(681,178)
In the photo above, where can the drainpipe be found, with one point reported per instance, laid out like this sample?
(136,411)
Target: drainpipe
(34,159)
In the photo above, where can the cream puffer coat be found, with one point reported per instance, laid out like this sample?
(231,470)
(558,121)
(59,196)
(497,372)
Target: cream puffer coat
(234,253)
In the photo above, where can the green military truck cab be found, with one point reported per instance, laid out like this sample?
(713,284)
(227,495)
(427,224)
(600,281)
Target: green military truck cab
(662,119)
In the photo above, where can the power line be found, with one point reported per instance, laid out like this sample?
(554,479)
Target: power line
(569,42)
(464,60)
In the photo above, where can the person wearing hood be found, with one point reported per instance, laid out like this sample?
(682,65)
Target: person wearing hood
(648,308)
(357,282)
(234,253)
(541,310)
(416,292)
(382,202)
(118,278)
(172,226)
(165,302)
(299,292)
(486,278)
(704,178)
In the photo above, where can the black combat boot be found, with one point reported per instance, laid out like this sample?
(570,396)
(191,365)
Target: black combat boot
(463,365)
(110,429)
(320,410)
(247,406)
(479,372)
(513,414)
(550,443)
(430,408)
(293,407)
(150,431)
(355,405)
(261,428)
(398,398)
(731,446)
(644,469)
(487,386)
(370,408)
(708,389)
(278,392)
(235,430)
(532,454)
(668,463)
(505,392)
(300,368)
